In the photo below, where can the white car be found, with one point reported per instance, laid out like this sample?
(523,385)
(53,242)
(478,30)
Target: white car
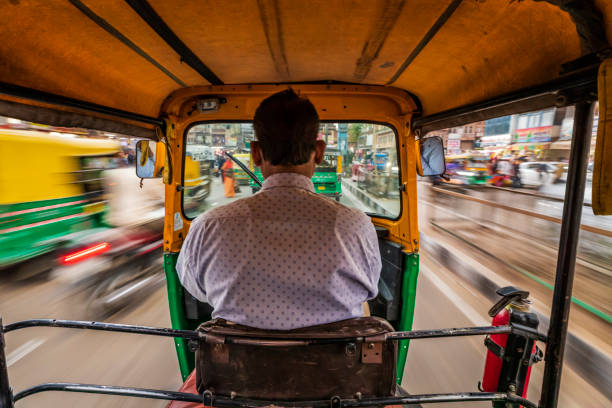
(536,174)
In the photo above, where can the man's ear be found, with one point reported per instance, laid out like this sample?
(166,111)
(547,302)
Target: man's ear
(319,151)
(256,154)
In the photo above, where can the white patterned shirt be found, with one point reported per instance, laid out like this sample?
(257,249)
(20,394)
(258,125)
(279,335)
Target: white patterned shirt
(283,258)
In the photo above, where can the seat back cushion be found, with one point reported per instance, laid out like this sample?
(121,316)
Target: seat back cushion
(352,358)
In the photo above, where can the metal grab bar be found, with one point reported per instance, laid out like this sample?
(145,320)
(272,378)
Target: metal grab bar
(227,401)
(194,335)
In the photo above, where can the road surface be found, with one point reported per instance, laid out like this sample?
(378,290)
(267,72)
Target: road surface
(443,300)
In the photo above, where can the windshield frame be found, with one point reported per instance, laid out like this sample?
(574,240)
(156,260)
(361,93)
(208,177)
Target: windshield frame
(348,121)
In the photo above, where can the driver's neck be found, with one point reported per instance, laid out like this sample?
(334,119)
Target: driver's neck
(306,169)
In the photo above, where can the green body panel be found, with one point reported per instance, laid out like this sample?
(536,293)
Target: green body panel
(478,180)
(409,287)
(186,358)
(326,183)
(34,228)
(242,178)
(259,176)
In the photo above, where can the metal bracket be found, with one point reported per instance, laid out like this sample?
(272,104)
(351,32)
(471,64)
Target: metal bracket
(494,347)
(335,402)
(371,352)
(207,398)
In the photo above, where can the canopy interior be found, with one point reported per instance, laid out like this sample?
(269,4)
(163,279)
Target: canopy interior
(131,55)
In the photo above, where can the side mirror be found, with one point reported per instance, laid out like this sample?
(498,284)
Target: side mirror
(431,157)
(150,159)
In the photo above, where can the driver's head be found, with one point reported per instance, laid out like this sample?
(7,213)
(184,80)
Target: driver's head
(286,127)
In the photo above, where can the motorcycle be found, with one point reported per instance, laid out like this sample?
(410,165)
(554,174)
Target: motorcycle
(113,267)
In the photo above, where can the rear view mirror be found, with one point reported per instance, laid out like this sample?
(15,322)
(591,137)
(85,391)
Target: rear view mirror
(150,159)
(432,157)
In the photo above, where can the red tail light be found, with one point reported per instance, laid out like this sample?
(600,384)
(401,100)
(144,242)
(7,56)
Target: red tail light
(83,254)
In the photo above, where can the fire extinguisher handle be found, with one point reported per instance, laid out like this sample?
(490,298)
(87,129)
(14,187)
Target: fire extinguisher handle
(508,294)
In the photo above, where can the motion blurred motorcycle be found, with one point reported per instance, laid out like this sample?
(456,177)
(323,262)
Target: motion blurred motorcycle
(117,266)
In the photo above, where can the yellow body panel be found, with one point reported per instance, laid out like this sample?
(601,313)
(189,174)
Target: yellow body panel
(192,172)
(602,171)
(37,166)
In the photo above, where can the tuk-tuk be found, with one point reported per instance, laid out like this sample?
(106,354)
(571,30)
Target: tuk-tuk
(468,169)
(153,69)
(327,178)
(50,189)
(240,176)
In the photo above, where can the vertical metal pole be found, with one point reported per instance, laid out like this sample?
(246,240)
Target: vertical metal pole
(566,259)
(6,396)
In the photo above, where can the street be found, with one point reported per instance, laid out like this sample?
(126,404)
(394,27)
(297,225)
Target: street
(443,300)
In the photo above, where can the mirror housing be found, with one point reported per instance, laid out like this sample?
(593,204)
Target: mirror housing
(430,161)
(150,159)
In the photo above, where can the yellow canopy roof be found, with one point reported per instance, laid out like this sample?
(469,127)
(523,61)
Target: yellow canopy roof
(125,54)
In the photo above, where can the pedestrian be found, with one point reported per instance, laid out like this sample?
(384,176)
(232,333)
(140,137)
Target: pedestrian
(227,172)
(516,178)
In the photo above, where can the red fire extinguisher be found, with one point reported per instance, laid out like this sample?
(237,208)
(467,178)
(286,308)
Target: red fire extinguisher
(510,356)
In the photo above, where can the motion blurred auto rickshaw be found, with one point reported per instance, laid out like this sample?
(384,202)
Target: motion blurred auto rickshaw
(467,169)
(50,190)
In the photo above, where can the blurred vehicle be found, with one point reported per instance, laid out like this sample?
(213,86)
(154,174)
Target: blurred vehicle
(327,178)
(57,192)
(240,176)
(119,264)
(561,173)
(357,174)
(536,174)
(467,169)
(380,160)
(114,266)
(198,177)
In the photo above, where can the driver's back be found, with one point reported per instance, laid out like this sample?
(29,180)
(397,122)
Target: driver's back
(282,259)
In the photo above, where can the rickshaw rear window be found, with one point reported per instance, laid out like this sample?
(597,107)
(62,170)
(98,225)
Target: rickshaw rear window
(360,168)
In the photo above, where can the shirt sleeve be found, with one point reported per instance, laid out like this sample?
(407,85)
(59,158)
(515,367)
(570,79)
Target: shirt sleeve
(189,270)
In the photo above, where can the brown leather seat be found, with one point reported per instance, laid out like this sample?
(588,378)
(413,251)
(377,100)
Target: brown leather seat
(350,359)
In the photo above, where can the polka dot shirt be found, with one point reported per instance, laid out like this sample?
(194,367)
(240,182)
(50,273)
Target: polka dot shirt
(283,258)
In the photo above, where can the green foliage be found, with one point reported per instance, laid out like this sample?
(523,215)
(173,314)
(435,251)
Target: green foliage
(355,130)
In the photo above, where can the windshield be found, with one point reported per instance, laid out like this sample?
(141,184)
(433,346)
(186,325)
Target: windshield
(359,168)
(329,163)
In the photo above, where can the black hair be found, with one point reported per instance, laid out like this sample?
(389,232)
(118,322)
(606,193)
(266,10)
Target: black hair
(286,126)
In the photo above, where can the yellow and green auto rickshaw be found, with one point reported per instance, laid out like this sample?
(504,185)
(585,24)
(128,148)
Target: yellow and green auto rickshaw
(153,69)
(240,176)
(50,188)
(468,169)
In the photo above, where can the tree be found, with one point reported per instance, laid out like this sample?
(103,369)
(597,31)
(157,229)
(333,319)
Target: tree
(355,130)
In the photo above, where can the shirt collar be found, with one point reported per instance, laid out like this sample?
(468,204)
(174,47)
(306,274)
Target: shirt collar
(288,180)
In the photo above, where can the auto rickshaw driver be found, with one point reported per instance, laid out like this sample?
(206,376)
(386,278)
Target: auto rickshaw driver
(303,259)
